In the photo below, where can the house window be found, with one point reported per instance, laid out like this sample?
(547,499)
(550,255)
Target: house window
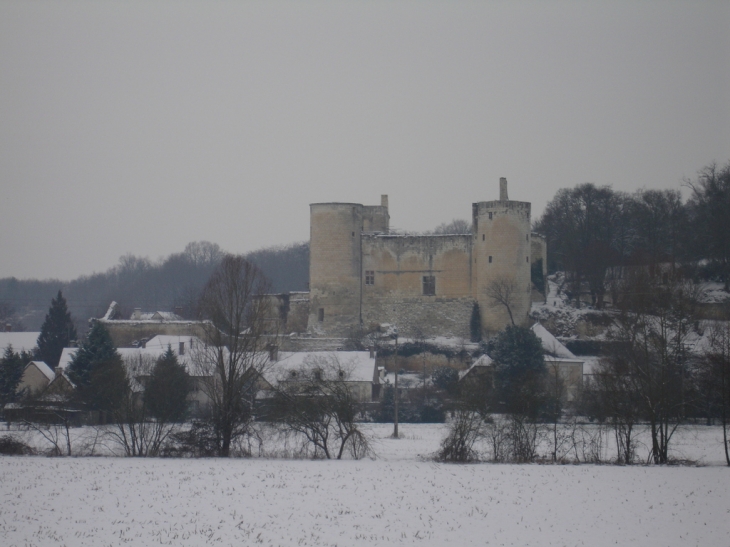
(490,259)
(321,315)
(429,285)
(370,277)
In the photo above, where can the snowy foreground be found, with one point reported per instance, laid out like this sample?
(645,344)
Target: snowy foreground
(396,499)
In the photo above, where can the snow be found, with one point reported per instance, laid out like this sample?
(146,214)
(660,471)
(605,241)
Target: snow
(551,344)
(396,499)
(21,341)
(43,368)
(358,365)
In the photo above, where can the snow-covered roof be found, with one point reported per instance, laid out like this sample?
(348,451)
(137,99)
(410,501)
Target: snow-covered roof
(550,344)
(483,361)
(135,358)
(357,365)
(161,341)
(21,341)
(43,368)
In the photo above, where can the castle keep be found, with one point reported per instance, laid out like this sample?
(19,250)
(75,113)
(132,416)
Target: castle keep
(361,275)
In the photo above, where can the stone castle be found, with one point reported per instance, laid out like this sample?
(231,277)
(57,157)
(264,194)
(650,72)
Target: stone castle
(362,276)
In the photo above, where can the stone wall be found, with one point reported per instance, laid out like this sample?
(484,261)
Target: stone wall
(396,293)
(124,333)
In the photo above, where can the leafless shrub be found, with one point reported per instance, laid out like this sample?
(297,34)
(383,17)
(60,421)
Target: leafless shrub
(466,429)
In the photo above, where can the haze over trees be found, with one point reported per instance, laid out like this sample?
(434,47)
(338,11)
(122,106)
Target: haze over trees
(591,229)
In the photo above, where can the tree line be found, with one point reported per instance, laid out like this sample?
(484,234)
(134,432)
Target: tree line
(593,231)
(169,283)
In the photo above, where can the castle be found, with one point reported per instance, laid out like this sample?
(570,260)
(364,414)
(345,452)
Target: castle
(361,275)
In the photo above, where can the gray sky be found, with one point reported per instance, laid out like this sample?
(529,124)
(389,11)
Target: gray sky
(141,126)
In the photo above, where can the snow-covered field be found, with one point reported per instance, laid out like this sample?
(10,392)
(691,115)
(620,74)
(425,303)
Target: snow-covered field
(396,499)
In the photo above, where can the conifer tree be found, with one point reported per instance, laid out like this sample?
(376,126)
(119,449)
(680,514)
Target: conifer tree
(475,323)
(97,350)
(11,371)
(56,333)
(167,390)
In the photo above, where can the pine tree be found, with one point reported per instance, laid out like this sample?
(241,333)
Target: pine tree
(167,390)
(56,333)
(475,323)
(11,371)
(97,350)
(519,370)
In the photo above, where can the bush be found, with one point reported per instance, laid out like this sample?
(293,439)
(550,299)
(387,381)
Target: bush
(13,447)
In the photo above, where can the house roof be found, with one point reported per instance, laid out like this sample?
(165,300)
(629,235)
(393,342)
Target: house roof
(137,359)
(43,368)
(358,365)
(550,344)
(21,341)
(161,341)
(483,361)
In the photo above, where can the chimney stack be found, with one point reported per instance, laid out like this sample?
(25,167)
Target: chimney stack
(372,352)
(273,352)
(384,200)
(181,348)
(178,311)
(8,327)
(503,189)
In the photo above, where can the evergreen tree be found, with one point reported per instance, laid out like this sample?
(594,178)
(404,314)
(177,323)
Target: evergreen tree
(97,350)
(56,333)
(519,371)
(11,371)
(167,390)
(475,323)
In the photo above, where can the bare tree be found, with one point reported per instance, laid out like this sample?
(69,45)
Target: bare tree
(652,359)
(231,361)
(715,372)
(502,293)
(317,402)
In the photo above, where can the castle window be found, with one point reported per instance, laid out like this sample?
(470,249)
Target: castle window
(490,259)
(370,277)
(490,216)
(321,315)
(429,285)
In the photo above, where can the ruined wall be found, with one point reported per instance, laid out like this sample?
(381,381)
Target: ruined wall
(287,313)
(396,295)
(502,256)
(123,333)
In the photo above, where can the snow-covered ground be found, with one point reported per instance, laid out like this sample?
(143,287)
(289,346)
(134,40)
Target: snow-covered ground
(396,499)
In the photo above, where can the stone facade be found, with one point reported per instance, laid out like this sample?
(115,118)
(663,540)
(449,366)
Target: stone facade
(362,276)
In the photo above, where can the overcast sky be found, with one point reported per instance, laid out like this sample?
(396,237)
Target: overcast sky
(137,127)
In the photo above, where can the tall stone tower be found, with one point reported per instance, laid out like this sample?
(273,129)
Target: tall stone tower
(501,251)
(335,263)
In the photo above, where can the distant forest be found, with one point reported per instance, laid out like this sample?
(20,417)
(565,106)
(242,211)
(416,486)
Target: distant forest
(136,282)
(592,232)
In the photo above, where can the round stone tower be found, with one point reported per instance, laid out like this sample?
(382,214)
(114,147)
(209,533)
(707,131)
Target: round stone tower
(334,267)
(501,252)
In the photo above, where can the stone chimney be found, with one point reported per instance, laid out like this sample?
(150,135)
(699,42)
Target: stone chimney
(181,348)
(58,371)
(178,311)
(384,200)
(372,352)
(8,327)
(503,189)
(273,352)
(137,314)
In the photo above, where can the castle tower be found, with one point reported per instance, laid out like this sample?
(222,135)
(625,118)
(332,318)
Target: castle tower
(501,251)
(334,267)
